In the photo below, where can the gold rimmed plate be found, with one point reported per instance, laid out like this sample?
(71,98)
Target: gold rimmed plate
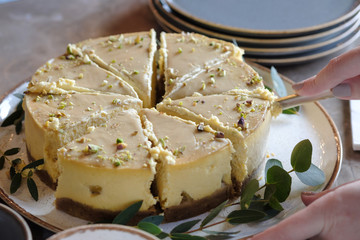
(311,123)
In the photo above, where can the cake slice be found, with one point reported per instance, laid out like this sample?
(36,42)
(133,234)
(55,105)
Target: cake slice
(240,115)
(71,72)
(194,172)
(129,56)
(105,171)
(184,55)
(233,73)
(51,121)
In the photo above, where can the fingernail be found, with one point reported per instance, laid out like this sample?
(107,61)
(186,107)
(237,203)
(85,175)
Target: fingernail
(298,86)
(308,193)
(342,90)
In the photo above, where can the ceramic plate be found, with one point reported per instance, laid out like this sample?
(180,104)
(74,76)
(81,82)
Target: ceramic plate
(283,60)
(275,52)
(103,231)
(160,6)
(12,225)
(266,18)
(311,123)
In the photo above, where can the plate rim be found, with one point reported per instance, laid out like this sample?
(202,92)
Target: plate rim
(168,27)
(37,220)
(283,33)
(154,5)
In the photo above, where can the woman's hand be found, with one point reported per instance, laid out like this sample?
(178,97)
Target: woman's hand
(331,214)
(341,76)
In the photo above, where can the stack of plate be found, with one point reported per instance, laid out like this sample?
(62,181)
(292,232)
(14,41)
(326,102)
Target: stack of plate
(277,32)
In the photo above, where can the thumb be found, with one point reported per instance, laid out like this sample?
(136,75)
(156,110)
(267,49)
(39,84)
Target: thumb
(309,197)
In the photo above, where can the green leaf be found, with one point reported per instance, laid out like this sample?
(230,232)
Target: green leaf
(244,216)
(127,214)
(18,125)
(156,219)
(2,162)
(314,176)
(275,204)
(149,227)
(293,110)
(12,172)
(32,188)
(301,156)
(272,162)
(12,151)
(19,95)
(11,118)
(270,189)
(278,83)
(15,183)
(162,235)
(248,193)
(34,164)
(213,213)
(184,227)
(219,234)
(15,162)
(282,180)
(184,236)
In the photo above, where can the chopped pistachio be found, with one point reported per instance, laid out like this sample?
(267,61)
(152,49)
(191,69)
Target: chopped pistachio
(179,151)
(121,146)
(119,140)
(219,134)
(91,149)
(179,50)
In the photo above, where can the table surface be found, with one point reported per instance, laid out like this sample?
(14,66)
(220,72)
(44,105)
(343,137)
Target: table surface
(33,31)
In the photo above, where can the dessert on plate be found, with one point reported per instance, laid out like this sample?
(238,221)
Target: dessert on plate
(113,129)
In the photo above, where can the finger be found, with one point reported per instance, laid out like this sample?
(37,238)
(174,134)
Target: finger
(293,227)
(349,89)
(310,197)
(344,67)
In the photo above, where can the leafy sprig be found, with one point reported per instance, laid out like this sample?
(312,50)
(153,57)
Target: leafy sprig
(252,206)
(18,171)
(17,117)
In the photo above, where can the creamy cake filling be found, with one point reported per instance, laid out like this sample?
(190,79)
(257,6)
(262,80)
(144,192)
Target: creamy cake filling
(109,168)
(186,155)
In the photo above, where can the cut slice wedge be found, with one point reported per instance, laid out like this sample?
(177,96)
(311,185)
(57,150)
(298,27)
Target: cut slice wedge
(129,56)
(185,55)
(111,162)
(54,120)
(194,166)
(242,116)
(69,73)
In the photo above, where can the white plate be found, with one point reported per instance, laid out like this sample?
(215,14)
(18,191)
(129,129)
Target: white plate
(266,18)
(160,7)
(102,232)
(312,123)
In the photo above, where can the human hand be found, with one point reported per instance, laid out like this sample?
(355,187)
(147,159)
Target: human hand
(331,214)
(341,76)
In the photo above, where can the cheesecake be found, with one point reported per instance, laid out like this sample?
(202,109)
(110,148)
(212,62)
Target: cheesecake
(240,115)
(105,171)
(186,154)
(183,56)
(51,121)
(73,73)
(113,129)
(233,73)
(130,56)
